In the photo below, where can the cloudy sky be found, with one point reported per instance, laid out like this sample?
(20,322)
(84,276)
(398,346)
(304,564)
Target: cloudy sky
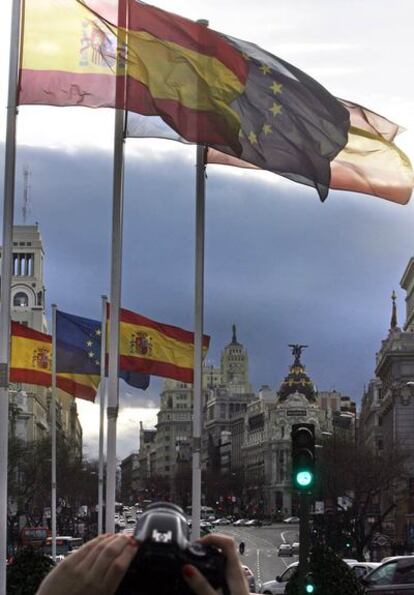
(280,265)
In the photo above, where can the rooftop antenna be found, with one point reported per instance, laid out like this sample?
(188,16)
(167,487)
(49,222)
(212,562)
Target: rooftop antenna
(26,187)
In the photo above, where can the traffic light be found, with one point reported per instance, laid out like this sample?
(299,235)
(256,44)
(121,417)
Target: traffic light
(303,456)
(309,583)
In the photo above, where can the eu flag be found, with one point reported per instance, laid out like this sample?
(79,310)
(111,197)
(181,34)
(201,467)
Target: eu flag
(289,123)
(78,355)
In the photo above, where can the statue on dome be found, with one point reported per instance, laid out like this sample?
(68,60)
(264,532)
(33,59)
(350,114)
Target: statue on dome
(297,352)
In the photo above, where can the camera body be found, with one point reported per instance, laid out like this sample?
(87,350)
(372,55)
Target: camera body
(163,534)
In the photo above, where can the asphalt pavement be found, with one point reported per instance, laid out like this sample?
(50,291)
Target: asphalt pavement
(262,544)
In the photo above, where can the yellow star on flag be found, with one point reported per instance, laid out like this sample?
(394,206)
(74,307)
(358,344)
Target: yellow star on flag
(267,129)
(252,138)
(264,68)
(275,109)
(276,87)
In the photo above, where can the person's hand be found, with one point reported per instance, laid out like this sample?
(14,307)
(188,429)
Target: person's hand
(96,568)
(236,580)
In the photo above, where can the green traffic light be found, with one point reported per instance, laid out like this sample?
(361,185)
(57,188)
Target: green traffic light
(304,479)
(310,589)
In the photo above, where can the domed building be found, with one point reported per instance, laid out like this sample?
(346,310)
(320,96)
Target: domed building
(296,402)
(297,381)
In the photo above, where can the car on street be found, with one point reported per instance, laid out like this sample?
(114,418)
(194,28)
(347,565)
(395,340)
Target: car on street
(361,569)
(285,549)
(206,526)
(250,578)
(240,523)
(277,586)
(391,578)
(254,523)
(291,519)
(295,548)
(222,521)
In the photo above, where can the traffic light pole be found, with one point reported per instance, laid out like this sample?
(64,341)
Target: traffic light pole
(304,539)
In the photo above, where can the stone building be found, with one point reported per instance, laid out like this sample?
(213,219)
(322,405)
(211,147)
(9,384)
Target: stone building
(395,371)
(130,478)
(246,437)
(146,455)
(296,402)
(174,427)
(226,400)
(30,404)
(370,424)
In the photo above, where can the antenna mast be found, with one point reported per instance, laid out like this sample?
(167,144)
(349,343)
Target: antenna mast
(26,187)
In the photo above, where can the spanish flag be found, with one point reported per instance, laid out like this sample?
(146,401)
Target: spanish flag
(30,356)
(155,348)
(171,67)
(31,362)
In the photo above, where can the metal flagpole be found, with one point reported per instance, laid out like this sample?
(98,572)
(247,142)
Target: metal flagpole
(102,391)
(198,347)
(6,279)
(116,270)
(53,433)
(198,337)
(113,366)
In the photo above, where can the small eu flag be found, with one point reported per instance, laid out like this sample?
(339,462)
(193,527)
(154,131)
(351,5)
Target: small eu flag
(78,357)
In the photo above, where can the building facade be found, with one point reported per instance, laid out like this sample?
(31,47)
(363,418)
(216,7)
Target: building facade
(395,370)
(30,404)
(246,436)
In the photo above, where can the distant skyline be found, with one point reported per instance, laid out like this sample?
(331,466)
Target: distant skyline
(280,265)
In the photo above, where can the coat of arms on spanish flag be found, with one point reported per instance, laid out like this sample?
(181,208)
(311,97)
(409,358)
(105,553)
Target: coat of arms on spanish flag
(30,356)
(156,348)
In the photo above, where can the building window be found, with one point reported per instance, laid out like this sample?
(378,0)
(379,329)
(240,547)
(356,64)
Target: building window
(21,300)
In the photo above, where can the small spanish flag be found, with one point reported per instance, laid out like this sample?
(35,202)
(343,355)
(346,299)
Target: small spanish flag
(155,348)
(30,356)
(31,363)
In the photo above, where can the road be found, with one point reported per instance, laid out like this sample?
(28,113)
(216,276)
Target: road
(261,548)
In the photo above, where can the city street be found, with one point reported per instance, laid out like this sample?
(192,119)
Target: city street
(262,544)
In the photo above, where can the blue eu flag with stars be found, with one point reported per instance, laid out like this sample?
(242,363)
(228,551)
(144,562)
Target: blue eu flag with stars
(78,355)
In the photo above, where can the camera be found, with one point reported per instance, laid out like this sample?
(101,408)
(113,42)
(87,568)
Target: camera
(164,548)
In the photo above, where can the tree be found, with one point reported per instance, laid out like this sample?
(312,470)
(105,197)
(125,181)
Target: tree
(27,571)
(351,470)
(29,480)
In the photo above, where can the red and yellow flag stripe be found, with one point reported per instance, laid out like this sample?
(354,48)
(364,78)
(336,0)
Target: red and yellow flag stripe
(81,386)
(156,348)
(31,363)
(30,356)
(175,68)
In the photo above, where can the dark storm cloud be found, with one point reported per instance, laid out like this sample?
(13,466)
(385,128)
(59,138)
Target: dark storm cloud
(279,264)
